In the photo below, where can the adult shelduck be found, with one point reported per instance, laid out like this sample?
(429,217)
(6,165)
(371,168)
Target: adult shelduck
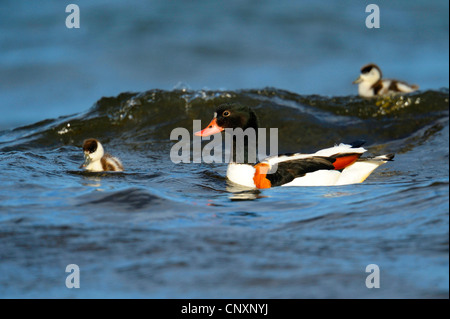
(96,160)
(338,165)
(370,83)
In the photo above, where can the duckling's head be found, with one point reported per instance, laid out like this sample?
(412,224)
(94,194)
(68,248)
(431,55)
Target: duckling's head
(93,151)
(370,74)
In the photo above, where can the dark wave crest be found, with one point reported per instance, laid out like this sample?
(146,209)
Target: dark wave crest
(143,120)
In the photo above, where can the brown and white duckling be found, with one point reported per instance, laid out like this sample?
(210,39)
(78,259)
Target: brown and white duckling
(96,160)
(370,83)
(338,165)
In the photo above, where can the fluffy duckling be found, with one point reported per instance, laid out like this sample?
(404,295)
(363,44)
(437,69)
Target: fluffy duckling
(96,160)
(370,83)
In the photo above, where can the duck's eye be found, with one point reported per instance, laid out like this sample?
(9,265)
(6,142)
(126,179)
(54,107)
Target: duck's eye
(226,113)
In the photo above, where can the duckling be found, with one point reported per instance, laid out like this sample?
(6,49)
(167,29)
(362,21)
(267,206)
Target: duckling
(370,83)
(96,160)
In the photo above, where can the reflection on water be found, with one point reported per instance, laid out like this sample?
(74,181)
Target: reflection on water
(338,194)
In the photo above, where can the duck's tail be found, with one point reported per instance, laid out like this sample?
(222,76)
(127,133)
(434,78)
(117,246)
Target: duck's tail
(362,168)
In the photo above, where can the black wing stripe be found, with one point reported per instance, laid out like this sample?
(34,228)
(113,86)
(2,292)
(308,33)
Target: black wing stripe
(289,170)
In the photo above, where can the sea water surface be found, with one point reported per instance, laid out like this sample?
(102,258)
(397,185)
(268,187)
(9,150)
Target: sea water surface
(308,47)
(166,230)
(135,70)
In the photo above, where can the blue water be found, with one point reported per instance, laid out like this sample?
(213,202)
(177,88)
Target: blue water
(47,70)
(164,230)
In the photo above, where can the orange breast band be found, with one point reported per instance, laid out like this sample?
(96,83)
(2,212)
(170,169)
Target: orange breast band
(260,176)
